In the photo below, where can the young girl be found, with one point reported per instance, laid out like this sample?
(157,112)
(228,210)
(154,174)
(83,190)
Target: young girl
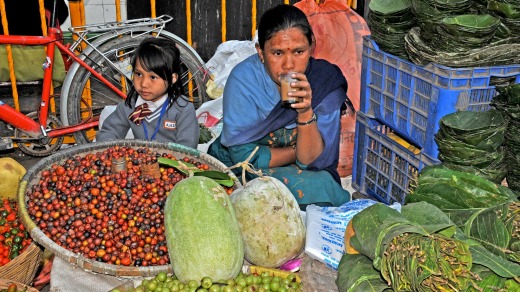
(155,108)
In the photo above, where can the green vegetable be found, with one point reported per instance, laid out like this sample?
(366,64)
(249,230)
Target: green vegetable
(205,134)
(427,263)
(356,273)
(269,218)
(451,189)
(202,231)
(413,250)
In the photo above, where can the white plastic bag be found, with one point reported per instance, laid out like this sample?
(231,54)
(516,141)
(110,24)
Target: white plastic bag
(326,227)
(227,55)
(209,114)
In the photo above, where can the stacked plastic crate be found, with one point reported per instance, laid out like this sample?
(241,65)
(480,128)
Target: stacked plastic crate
(401,105)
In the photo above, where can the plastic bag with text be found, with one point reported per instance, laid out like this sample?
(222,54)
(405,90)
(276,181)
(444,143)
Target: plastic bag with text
(325,240)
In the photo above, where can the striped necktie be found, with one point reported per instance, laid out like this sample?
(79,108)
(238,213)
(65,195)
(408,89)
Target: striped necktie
(139,113)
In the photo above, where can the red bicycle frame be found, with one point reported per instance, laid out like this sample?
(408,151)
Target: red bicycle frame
(38,129)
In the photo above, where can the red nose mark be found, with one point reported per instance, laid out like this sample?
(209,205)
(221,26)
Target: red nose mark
(288,49)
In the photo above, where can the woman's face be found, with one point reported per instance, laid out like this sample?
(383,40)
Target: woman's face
(287,51)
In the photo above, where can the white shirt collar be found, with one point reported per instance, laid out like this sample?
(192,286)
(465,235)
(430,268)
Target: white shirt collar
(151,104)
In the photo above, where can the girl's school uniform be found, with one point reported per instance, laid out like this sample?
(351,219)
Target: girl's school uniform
(176,123)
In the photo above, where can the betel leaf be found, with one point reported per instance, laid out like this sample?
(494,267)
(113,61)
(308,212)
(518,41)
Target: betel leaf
(482,256)
(219,176)
(369,223)
(356,273)
(489,281)
(486,226)
(430,217)
(493,229)
(460,216)
(451,189)
(500,266)
(187,168)
(181,166)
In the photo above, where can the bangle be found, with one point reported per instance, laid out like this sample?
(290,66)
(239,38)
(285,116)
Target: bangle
(313,119)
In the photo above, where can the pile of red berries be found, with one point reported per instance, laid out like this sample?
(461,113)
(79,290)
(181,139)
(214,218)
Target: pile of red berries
(116,218)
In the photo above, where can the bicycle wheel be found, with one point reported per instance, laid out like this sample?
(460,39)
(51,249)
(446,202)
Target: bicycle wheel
(88,96)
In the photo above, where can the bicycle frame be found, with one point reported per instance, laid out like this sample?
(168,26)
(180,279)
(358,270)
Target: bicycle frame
(36,129)
(21,121)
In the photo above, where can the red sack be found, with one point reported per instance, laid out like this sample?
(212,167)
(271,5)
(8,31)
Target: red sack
(339,35)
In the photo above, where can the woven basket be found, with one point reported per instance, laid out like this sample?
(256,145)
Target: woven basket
(23,268)
(4,284)
(33,174)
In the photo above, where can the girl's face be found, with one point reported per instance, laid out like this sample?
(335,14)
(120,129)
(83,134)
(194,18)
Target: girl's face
(287,51)
(148,85)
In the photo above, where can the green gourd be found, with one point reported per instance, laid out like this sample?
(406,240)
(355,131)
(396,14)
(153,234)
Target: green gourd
(202,231)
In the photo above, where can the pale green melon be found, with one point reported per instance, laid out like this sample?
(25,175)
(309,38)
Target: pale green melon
(11,172)
(270,220)
(202,231)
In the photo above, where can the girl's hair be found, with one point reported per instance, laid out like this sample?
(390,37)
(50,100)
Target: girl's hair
(283,17)
(162,57)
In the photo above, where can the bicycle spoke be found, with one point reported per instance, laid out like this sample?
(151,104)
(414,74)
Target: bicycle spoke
(88,96)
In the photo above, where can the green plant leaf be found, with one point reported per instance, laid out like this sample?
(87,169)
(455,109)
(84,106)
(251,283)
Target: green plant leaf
(184,167)
(487,226)
(214,174)
(490,282)
(356,273)
(500,266)
(219,176)
(181,166)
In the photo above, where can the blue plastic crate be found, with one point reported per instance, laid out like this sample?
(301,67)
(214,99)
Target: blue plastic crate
(383,169)
(412,99)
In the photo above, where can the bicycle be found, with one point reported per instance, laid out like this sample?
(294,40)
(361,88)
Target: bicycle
(100,75)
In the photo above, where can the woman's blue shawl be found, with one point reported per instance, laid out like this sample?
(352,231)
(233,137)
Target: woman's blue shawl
(252,107)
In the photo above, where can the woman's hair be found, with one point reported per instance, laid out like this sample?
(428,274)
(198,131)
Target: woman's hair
(282,17)
(162,57)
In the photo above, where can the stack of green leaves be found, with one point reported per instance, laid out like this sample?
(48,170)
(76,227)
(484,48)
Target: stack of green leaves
(499,52)
(460,33)
(451,189)
(463,32)
(508,102)
(429,13)
(508,11)
(389,22)
(472,142)
(419,249)
(486,213)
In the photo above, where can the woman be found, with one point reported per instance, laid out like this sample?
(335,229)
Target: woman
(297,145)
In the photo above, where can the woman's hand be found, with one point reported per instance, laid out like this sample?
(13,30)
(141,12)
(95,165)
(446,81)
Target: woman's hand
(309,143)
(304,93)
